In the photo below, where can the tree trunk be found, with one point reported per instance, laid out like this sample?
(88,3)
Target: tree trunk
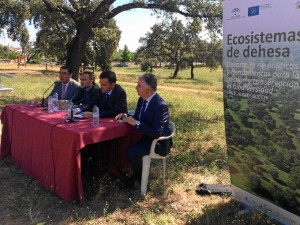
(77,48)
(176,70)
(192,69)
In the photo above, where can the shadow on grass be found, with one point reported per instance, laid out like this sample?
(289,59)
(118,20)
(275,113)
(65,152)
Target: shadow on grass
(25,201)
(230,213)
(49,71)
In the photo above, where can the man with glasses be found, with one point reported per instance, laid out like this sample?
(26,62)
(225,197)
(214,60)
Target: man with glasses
(66,87)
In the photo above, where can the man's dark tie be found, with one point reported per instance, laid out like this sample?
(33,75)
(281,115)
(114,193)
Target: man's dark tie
(106,100)
(143,108)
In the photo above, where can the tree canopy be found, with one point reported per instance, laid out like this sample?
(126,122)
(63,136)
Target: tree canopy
(179,45)
(85,16)
(13,15)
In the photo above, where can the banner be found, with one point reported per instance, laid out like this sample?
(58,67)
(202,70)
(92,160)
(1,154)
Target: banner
(261,62)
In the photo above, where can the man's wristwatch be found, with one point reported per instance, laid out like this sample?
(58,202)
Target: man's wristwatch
(137,123)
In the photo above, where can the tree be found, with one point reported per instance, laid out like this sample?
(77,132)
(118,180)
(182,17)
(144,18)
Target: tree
(147,61)
(13,15)
(54,36)
(198,53)
(125,57)
(3,52)
(55,32)
(87,15)
(180,45)
(105,43)
(150,54)
(214,54)
(169,41)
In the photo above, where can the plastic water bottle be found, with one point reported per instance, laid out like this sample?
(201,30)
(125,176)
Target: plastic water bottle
(69,110)
(55,99)
(50,104)
(96,116)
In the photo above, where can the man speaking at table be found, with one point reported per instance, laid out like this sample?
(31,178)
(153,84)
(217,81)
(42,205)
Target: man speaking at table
(151,120)
(66,87)
(112,97)
(111,100)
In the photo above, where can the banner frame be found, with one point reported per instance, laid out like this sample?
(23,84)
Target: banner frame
(252,201)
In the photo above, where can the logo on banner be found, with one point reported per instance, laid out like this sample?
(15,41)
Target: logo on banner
(298,5)
(253,11)
(235,14)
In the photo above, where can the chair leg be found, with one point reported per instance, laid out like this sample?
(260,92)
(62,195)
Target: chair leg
(145,173)
(164,170)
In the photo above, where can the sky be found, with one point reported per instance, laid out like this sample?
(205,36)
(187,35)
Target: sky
(133,24)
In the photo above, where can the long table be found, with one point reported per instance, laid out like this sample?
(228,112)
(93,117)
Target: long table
(43,146)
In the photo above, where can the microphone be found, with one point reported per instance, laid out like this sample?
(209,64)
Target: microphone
(43,99)
(72,119)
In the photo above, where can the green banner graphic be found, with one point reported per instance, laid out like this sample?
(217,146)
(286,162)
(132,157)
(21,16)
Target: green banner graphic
(262,98)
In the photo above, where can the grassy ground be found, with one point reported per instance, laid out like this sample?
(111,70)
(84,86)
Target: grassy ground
(198,156)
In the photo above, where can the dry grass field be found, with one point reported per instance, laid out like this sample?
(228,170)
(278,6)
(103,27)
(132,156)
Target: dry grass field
(198,156)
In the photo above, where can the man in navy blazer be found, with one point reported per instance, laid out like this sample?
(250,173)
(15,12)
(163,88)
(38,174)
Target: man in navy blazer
(87,94)
(112,98)
(66,87)
(151,120)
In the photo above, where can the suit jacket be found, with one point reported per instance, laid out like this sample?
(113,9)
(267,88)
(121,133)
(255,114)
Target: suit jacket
(154,122)
(71,91)
(117,103)
(86,101)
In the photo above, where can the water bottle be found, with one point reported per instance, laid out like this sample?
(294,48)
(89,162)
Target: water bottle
(55,99)
(50,104)
(69,110)
(96,116)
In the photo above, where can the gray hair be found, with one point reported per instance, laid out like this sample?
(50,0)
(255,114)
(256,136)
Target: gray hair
(150,79)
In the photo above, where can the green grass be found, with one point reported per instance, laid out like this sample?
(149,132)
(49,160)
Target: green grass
(198,155)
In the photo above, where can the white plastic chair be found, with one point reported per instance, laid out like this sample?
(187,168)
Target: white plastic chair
(153,155)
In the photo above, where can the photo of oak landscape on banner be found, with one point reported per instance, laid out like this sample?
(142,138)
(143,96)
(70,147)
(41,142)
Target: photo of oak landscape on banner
(262,98)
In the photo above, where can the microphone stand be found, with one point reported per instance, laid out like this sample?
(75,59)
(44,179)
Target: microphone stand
(43,99)
(71,119)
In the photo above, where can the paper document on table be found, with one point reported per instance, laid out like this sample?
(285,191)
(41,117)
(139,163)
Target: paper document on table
(78,116)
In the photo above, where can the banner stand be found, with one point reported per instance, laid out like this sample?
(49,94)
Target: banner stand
(251,201)
(261,89)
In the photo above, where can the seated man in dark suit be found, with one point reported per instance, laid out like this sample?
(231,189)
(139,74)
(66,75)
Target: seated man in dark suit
(88,93)
(111,100)
(112,97)
(66,87)
(151,120)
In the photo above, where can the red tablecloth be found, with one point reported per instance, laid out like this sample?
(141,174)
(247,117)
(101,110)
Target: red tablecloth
(43,146)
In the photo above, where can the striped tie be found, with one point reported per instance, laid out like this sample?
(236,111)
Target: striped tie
(63,92)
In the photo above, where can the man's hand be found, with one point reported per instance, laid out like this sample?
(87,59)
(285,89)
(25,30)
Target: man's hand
(75,111)
(121,116)
(62,104)
(130,120)
(87,114)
